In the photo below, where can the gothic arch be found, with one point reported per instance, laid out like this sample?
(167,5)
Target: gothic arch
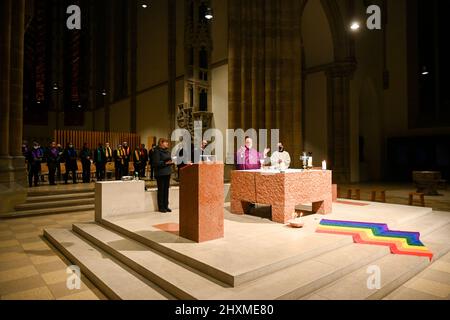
(341,40)
(338,73)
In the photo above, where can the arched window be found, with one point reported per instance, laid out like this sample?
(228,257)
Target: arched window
(203,100)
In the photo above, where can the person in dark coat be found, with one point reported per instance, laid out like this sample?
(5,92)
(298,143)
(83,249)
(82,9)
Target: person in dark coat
(127,158)
(35,160)
(100,162)
(162,161)
(137,161)
(53,160)
(144,161)
(150,156)
(61,160)
(85,156)
(70,158)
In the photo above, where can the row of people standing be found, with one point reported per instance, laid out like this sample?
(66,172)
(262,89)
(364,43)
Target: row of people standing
(55,155)
(140,157)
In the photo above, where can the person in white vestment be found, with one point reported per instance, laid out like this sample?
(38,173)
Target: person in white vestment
(281,159)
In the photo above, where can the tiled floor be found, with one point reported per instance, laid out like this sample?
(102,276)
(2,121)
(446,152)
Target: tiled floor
(30,268)
(399,194)
(431,284)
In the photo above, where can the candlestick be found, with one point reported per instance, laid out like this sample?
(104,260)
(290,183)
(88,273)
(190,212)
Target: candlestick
(324,165)
(310,162)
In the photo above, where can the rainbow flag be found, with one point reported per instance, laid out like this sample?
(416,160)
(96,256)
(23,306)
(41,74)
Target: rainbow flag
(400,242)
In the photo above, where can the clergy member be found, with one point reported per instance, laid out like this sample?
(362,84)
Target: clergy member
(100,162)
(144,159)
(108,152)
(53,159)
(70,158)
(127,158)
(119,160)
(248,158)
(137,161)
(85,156)
(281,159)
(35,159)
(150,161)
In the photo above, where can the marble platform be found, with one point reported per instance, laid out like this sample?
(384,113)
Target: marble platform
(256,259)
(116,198)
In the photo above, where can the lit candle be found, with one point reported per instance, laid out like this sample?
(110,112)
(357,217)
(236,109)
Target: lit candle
(324,165)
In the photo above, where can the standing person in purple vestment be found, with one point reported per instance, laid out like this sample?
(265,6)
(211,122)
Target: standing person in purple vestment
(35,159)
(53,158)
(248,158)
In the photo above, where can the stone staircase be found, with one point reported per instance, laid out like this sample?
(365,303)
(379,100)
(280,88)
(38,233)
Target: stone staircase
(127,265)
(54,202)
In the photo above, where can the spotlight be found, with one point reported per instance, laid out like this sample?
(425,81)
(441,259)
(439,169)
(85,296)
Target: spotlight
(104,92)
(55,86)
(425,71)
(145,6)
(80,106)
(38,102)
(209,14)
(355,26)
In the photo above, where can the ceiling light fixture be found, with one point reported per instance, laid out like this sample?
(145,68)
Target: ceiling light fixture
(355,26)
(209,14)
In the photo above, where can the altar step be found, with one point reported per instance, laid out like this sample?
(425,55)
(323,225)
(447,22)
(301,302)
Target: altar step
(51,211)
(56,203)
(61,196)
(46,202)
(180,280)
(115,280)
(395,270)
(336,268)
(61,189)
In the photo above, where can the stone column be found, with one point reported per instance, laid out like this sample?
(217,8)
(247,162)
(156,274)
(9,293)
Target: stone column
(12,164)
(5,62)
(339,76)
(16,78)
(172,62)
(133,31)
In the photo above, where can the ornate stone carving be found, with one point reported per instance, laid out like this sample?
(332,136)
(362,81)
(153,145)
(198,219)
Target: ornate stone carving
(197,82)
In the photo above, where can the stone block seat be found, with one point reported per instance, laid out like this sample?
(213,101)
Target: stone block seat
(421,197)
(357,193)
(375,193)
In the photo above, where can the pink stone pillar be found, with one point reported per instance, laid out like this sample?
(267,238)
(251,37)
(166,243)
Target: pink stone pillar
(334,190)
(282,213)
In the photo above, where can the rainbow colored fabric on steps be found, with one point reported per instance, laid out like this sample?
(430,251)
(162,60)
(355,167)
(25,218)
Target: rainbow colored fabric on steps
(400,242)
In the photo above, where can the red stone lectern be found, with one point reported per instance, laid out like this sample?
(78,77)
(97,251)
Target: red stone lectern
(202,202)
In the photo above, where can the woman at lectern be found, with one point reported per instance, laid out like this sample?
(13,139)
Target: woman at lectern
(162,162)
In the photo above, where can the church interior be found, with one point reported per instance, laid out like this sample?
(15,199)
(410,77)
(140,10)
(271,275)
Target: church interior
(349,203)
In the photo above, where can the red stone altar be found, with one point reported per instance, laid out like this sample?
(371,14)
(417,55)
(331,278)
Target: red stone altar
(283,191)
(201,202)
